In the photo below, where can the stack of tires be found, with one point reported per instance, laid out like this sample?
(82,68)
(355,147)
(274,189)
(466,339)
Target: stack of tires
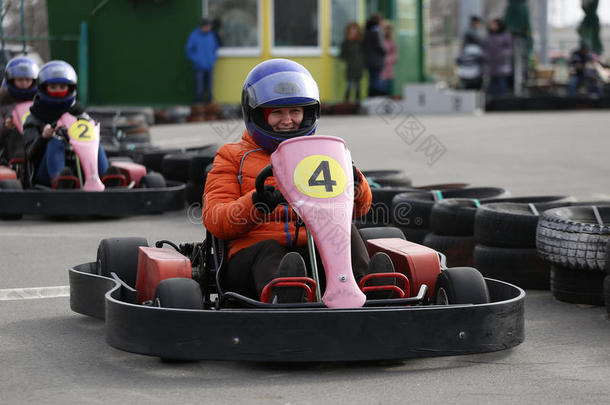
(190,167)
(411,210)
(384,184)
(574,240)
(607,279)
(123,130)
(505,236)
(204,112)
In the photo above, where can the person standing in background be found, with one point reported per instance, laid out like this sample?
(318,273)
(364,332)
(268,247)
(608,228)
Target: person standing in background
(374,54)
(391,56)
(497,55)
(353,55)
(201,48)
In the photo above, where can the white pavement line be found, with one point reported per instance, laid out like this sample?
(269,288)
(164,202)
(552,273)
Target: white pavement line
(12,294)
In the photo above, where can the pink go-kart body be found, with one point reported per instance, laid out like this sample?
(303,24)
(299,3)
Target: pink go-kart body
(314,174)
(20,113)
(85,141)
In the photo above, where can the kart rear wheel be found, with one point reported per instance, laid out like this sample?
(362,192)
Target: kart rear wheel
(153,180)
(119,256)
(460,285)
(183,293)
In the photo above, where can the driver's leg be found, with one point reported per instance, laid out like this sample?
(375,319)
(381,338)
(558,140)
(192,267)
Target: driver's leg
(53,161)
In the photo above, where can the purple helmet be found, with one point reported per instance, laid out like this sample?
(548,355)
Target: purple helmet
(21,67)
(57,71)
(278,83)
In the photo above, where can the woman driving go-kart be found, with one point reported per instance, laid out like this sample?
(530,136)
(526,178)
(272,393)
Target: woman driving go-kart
(280,101)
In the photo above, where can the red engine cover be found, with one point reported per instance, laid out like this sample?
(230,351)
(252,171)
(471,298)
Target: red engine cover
(7,174)
(419,263)
(156,265)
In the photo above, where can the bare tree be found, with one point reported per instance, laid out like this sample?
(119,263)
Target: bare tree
(35,23)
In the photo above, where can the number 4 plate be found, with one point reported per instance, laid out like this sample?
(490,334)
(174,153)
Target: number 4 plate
(320,176)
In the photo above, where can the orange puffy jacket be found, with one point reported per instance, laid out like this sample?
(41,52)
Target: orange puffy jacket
(228,210)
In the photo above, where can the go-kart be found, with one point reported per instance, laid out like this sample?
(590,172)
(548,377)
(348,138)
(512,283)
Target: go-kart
(173,302)
(126,190)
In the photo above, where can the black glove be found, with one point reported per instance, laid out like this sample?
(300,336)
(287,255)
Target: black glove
(266,201)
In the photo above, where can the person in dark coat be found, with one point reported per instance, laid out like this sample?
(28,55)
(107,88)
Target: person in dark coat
(497,55)
(374,54)
(353,55)
(472,36)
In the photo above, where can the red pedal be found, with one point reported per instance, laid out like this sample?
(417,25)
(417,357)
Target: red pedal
(156,265)
(419,263)
(306,283)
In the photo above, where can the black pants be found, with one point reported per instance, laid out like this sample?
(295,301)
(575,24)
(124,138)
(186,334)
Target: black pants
(252,268)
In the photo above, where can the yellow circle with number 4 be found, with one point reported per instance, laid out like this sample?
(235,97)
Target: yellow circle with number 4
(82,130)
(320,176)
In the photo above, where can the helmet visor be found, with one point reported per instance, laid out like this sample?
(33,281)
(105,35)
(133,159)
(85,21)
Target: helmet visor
(283,89)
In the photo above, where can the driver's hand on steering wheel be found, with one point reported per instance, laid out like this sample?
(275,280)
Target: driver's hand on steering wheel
(266,201)
(48,131)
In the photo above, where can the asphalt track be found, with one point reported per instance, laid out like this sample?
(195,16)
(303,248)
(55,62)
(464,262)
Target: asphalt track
(51,355)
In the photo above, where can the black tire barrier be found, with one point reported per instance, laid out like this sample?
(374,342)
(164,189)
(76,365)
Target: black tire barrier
(176,166)
(119,256)
(413,209)
(607,292)
(387,178)
(11,184)
(519,266)
(577,286)
(194,193)
(415,235)
(456,216)
(457,249)
(199,162)
(379,214)
(153,160)
(575,237)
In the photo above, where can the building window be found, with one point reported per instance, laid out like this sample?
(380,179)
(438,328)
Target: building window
(342,13)
(296,27)
(238,24)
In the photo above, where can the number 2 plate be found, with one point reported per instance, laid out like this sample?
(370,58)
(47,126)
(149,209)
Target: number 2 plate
(320,176)
(82,130)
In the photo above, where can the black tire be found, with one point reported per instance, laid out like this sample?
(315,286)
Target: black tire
(153,160)
(456,216)
(413,209)
(506,225)
(379,214)
(607,292)
(415,235)
(457,249)
(453,216)
(441,186)
(183,293)
(194,193)
(200,161)
(519,266)
(572,237)
(11,184)
(460,285)
(576,286)
(381,232)
(176,166)
(120,256)
(387,178)
(152,180)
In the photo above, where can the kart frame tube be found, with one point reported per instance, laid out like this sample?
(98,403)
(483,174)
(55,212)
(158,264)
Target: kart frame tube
(299,335)
(113,202)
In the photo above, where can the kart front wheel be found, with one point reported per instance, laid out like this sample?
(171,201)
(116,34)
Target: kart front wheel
(119,256)
(153,180)
(460,285)
(183,293)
